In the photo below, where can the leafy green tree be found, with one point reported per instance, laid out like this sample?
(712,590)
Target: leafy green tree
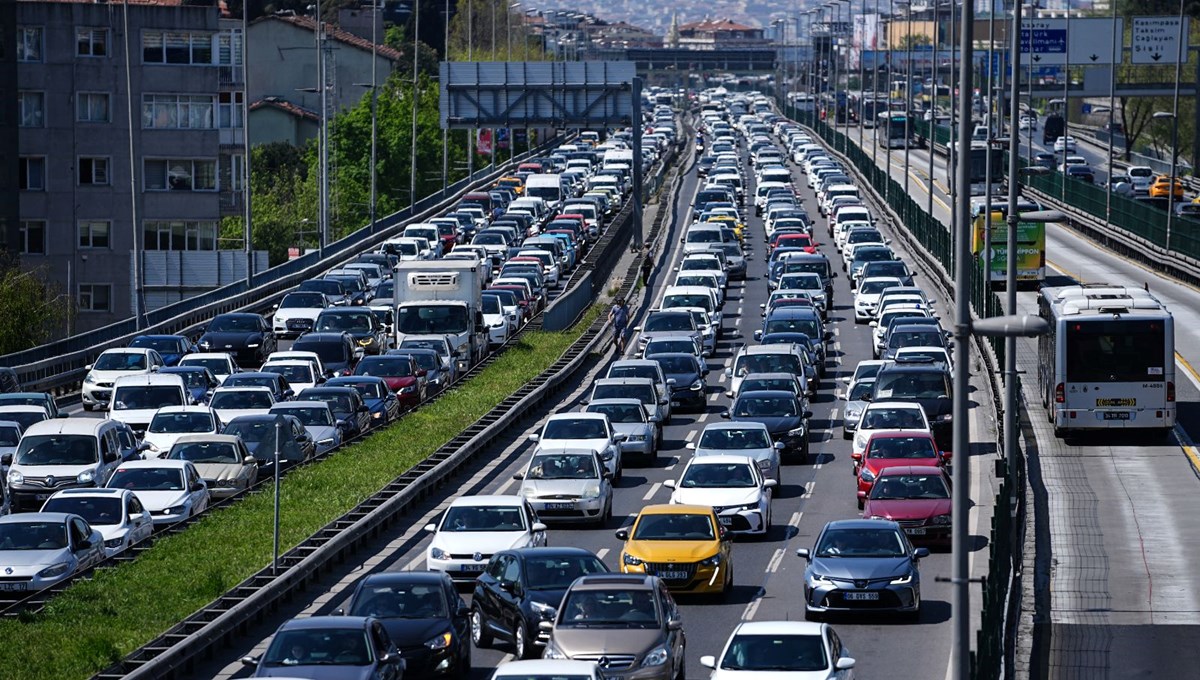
(488,30)
(31,310)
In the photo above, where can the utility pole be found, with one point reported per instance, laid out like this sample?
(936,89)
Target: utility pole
(412,153)
(374,109)
(243,110)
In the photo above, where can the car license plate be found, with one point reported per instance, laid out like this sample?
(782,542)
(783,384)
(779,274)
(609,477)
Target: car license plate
(865,596)
(725,520)
(560,506)
(672,575)
(1117,415)
(473,568)
(914,531)
(14,586)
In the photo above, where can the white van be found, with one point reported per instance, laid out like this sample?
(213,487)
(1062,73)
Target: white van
(136,398)
(547,187)
(65,453)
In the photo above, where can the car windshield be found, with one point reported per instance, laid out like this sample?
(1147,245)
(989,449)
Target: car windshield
(808,326)
(620,413)
(241,399)
(609,609)
(886,418)
(97,510)
(218,365)
(860,390)
(401,601)
(234,324)
(390,366)
(575,428)
(316,647)
(343,322)
(10,435)
(57,449)
(765,407)
(252,430)
(786,384)
(668,322)
(329,351)
(677,363)
(783,653)
(310,416)
(875,286)
(699,264)
(563,466)
(467,518)
(881,542)
(901,447)
(120,361)
(559,572)
(182,422)
(670,346)
(909,487)
(800,281)
(702,301)
(432,319)
(644,393)
(367,388)
(424,360)
(695,280)
(674,527)
(161,345)
(326,286)
(438,346)
(864,236)
(734,439)
(912,385)
(147,479)
(704,236)
(302,301)
(900,339)
(33,536)
(717,476)
(146,397)
(768,363)
(635,371)
(293,373)
(491,305)
(872,254)
(206,452)
(250,380)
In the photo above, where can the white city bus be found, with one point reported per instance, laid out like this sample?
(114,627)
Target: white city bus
(1108,360)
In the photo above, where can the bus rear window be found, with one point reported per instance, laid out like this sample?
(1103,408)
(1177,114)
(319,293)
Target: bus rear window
(1116,351)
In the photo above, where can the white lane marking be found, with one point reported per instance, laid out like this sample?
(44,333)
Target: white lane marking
(653,490)
(713,396)
(674,462)
(503,489)
(721,377)
(775,560)
(690,436)
(703,416)
(837,331)
(601,553)
(833,415)
(752,608)
(415,563)
(808,489)
(794,522)
(817,466)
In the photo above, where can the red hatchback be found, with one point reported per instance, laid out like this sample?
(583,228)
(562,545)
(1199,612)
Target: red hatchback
(401,374)
(804,241)
(915,497)
(890,448)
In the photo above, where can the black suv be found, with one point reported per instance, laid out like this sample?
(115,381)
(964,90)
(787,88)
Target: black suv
(926,383)
(360,323)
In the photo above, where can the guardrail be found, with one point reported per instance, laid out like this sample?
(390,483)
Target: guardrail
(999,611)
(58,367)
(212,627)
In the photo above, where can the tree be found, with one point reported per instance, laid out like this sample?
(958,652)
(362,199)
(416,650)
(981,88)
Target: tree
(913,40)
(481,31)
(31,310)
(397,37)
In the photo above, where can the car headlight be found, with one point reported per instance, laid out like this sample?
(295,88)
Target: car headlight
(635,438)
(114,542)
(713,561)
(15,477)
(902,580)
(437,553)
(697,384)
(867,475)
(879,517)
(945,417)
(630,560)
(366,341)
(553,652)
(90,379)
(326,442)
(591,491)
(797,432)
(941,519)
(204,344)
(853,414)
(542,609)
(408,389)
(377,415)
(821,579)
(55,570)
(86,477)
(440,641)
(251,345)
(175,509)
(656,657)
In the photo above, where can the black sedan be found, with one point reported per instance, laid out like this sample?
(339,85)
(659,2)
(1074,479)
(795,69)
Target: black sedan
(346,403)
(777,410)
(248,337)
(360,323)
(258,433)
(381,401)
(425,617)
(529,589)
(688,374)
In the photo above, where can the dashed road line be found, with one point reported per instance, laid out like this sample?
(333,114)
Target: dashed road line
(653,490)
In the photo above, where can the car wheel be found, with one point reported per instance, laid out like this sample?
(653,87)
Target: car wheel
(521,642)
(804,452)
(846,434)
(87,406)
(480,636)
(810,615)
(861,503)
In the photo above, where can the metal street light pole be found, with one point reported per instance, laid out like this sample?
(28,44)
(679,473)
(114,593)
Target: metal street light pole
(445,131)
(1117,42)
(908,89)
(412,153)
(242,109)
(278,443)
(1010,255)
(932,109)
(1174,125)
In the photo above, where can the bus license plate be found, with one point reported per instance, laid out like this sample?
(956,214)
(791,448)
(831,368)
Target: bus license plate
(1126,401)
(871,595)
(1117,415)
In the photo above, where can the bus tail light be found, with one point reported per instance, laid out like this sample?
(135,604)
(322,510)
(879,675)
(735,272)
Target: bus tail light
(1170,391)
(1060,394)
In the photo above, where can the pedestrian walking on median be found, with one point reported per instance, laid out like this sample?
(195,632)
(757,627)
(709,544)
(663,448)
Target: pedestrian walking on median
(618,315)
(647,267)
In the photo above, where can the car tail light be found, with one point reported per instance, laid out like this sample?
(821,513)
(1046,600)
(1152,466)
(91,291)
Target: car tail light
(1060,394)
(1170,391)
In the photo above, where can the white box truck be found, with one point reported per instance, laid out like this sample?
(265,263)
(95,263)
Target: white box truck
(442,298)
(548,187)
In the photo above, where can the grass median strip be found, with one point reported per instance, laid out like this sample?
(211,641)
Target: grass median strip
(95,623)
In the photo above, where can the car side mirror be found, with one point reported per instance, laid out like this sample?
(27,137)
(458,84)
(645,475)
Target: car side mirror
(862,495)
(518,476)
(767,483)
(873,324)
(508,586)
(670,483)
(620,437)
(534,437)
(921,553)
(690,446)
(802,552)
(462,611)
(671,381)
(110,457)
(622,534)
(758,335)
(724,414)
(85,544)
(808,414)
(196,486)
(431,527)
(537,527)
(675,624)
(779,446)
(361,409)
(845,663)
(88,367)
(250,661)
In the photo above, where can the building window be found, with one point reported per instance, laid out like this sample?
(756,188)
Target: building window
(180,175)
(94,233)
(33,237)
(169,47)
(92,107)
(237,166)
(229,48)
(91,42)
(177,111)
(33,109)
(231,107)
(29,43)
(93,171)
(178,235)
(31,174)
(95,297)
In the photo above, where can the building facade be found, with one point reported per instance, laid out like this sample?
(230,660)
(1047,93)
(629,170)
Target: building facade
(717,34)
(128,141)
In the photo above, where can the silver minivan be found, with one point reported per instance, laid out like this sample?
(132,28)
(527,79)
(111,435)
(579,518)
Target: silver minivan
(66,453)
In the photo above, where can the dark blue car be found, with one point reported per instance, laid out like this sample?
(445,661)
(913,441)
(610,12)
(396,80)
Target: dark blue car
(172,348)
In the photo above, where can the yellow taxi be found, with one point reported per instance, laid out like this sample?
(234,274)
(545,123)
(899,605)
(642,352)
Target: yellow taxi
(1160,187)
(684,545)
(732,222)
(514,183)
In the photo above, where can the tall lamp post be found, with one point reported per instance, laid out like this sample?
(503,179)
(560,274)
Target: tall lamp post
(1170,115)
(374,88)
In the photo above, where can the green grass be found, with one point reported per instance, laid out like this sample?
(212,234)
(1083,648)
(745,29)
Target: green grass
(95,623)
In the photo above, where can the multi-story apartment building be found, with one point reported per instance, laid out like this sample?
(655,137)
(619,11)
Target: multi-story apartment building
(130,120)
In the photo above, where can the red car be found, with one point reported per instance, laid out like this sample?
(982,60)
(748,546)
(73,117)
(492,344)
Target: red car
(449,236)
(916,497)
(797,240)
(889,448)
(779,234)
(401,374)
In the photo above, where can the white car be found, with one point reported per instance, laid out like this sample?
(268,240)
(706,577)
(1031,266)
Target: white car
(474,528)
(933,353)
(797,650)
(231,402)
(117,514)
(171,490)
(866,296)
(298,355)
(885,415)
(569,485)
(300,374)
(297,312)
(40,549)
(582,431)
(731,485)
(1064,143)
(740,439)
(704,262)
(113,364)
(221,364)
(498,321)
(172,422)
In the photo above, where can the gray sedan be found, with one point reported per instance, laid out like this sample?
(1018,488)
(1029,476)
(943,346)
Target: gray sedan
(629,417)
(742,439)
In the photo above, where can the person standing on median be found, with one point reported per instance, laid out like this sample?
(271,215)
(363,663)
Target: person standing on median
(618,315)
